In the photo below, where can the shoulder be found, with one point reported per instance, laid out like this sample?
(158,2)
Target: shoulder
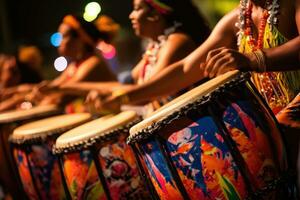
(228,21)
(179,40)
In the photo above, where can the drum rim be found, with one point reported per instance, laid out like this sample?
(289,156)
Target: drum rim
(50,109)
(184,110)
(43,135)
(104,137)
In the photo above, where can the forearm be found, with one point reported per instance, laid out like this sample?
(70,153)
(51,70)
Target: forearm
(85,87)
(169,81)
(11,103)
(284,57)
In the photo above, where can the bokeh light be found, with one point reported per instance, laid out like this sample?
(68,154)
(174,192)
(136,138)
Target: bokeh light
(92,10)
(56,39)
(88,17)
(108,51)
(60,63)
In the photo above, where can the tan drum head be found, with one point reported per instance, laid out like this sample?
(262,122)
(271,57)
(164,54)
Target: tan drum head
(49,126)
(183,100)
(18,115)
(96,128)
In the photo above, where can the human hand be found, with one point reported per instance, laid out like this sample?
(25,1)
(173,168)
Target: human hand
(222,60)
(100,104)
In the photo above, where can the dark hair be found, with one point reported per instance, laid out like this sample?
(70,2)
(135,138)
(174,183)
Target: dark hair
(193,22)
(91,29)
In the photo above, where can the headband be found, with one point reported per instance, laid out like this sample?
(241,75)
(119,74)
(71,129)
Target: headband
(160,6)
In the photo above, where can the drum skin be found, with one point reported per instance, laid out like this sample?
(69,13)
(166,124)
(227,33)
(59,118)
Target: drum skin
(227,147)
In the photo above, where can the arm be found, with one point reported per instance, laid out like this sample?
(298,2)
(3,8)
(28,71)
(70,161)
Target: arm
(286,55)
(187,71)
(282,58)
(182,73)
(83,88)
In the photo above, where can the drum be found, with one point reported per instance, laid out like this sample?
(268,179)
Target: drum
(96,161)
(218,141)
(8,122)
(37,167)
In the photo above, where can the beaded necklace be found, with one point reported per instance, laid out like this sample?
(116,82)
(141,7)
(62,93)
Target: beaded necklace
(269,84)
(270,12)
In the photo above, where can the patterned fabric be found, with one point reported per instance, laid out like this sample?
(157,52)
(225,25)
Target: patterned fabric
(278,88)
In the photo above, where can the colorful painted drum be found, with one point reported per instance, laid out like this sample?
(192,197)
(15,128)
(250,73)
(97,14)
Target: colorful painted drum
(97,163)
(217,141)
(8,122)
(32,150)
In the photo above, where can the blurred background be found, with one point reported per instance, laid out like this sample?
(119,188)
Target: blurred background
(34,22)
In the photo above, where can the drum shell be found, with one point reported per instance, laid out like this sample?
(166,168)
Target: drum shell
(225,144)
(108,164)
(38,168)
(8,172)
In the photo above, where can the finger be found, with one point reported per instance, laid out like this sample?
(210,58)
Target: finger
(212,53)
(219,62)
(225,67)
(211,62)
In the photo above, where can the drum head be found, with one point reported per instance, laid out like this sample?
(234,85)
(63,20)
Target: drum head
(96,128)
(183,100)
(18,115)
(49,126)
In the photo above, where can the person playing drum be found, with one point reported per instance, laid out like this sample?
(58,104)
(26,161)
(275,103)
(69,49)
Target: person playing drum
(79,39)
(244,39)
(167,25)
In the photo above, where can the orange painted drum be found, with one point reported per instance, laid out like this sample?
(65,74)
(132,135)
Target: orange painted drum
(217,141)
(97,163)
(8,122)
(38,168)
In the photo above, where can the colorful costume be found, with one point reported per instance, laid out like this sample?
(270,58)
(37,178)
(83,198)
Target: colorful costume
(278,88)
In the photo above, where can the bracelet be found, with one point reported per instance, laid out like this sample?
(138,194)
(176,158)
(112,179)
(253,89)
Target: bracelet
(122,96)
(260,59)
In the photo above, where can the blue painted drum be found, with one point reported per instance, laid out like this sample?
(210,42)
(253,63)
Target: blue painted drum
(38,168)
(217,141)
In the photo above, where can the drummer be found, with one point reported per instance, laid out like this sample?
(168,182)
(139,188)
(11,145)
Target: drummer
(78,46)
(256,31)
(171,35)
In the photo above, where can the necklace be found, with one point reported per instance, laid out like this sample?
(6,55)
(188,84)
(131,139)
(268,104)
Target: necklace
(151,54)
(267,83)
(245,24)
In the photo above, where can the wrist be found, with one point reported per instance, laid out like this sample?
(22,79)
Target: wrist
(253,64)
(257,61)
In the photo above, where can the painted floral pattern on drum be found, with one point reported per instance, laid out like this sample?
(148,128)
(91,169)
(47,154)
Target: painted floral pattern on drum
(24,173)
(120,171)
(46,172)
(82,177)
(204,162)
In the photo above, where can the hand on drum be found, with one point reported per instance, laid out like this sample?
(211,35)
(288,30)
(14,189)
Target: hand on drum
(102,104)
(222,60)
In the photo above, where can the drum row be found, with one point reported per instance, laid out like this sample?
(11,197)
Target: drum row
(217,141)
